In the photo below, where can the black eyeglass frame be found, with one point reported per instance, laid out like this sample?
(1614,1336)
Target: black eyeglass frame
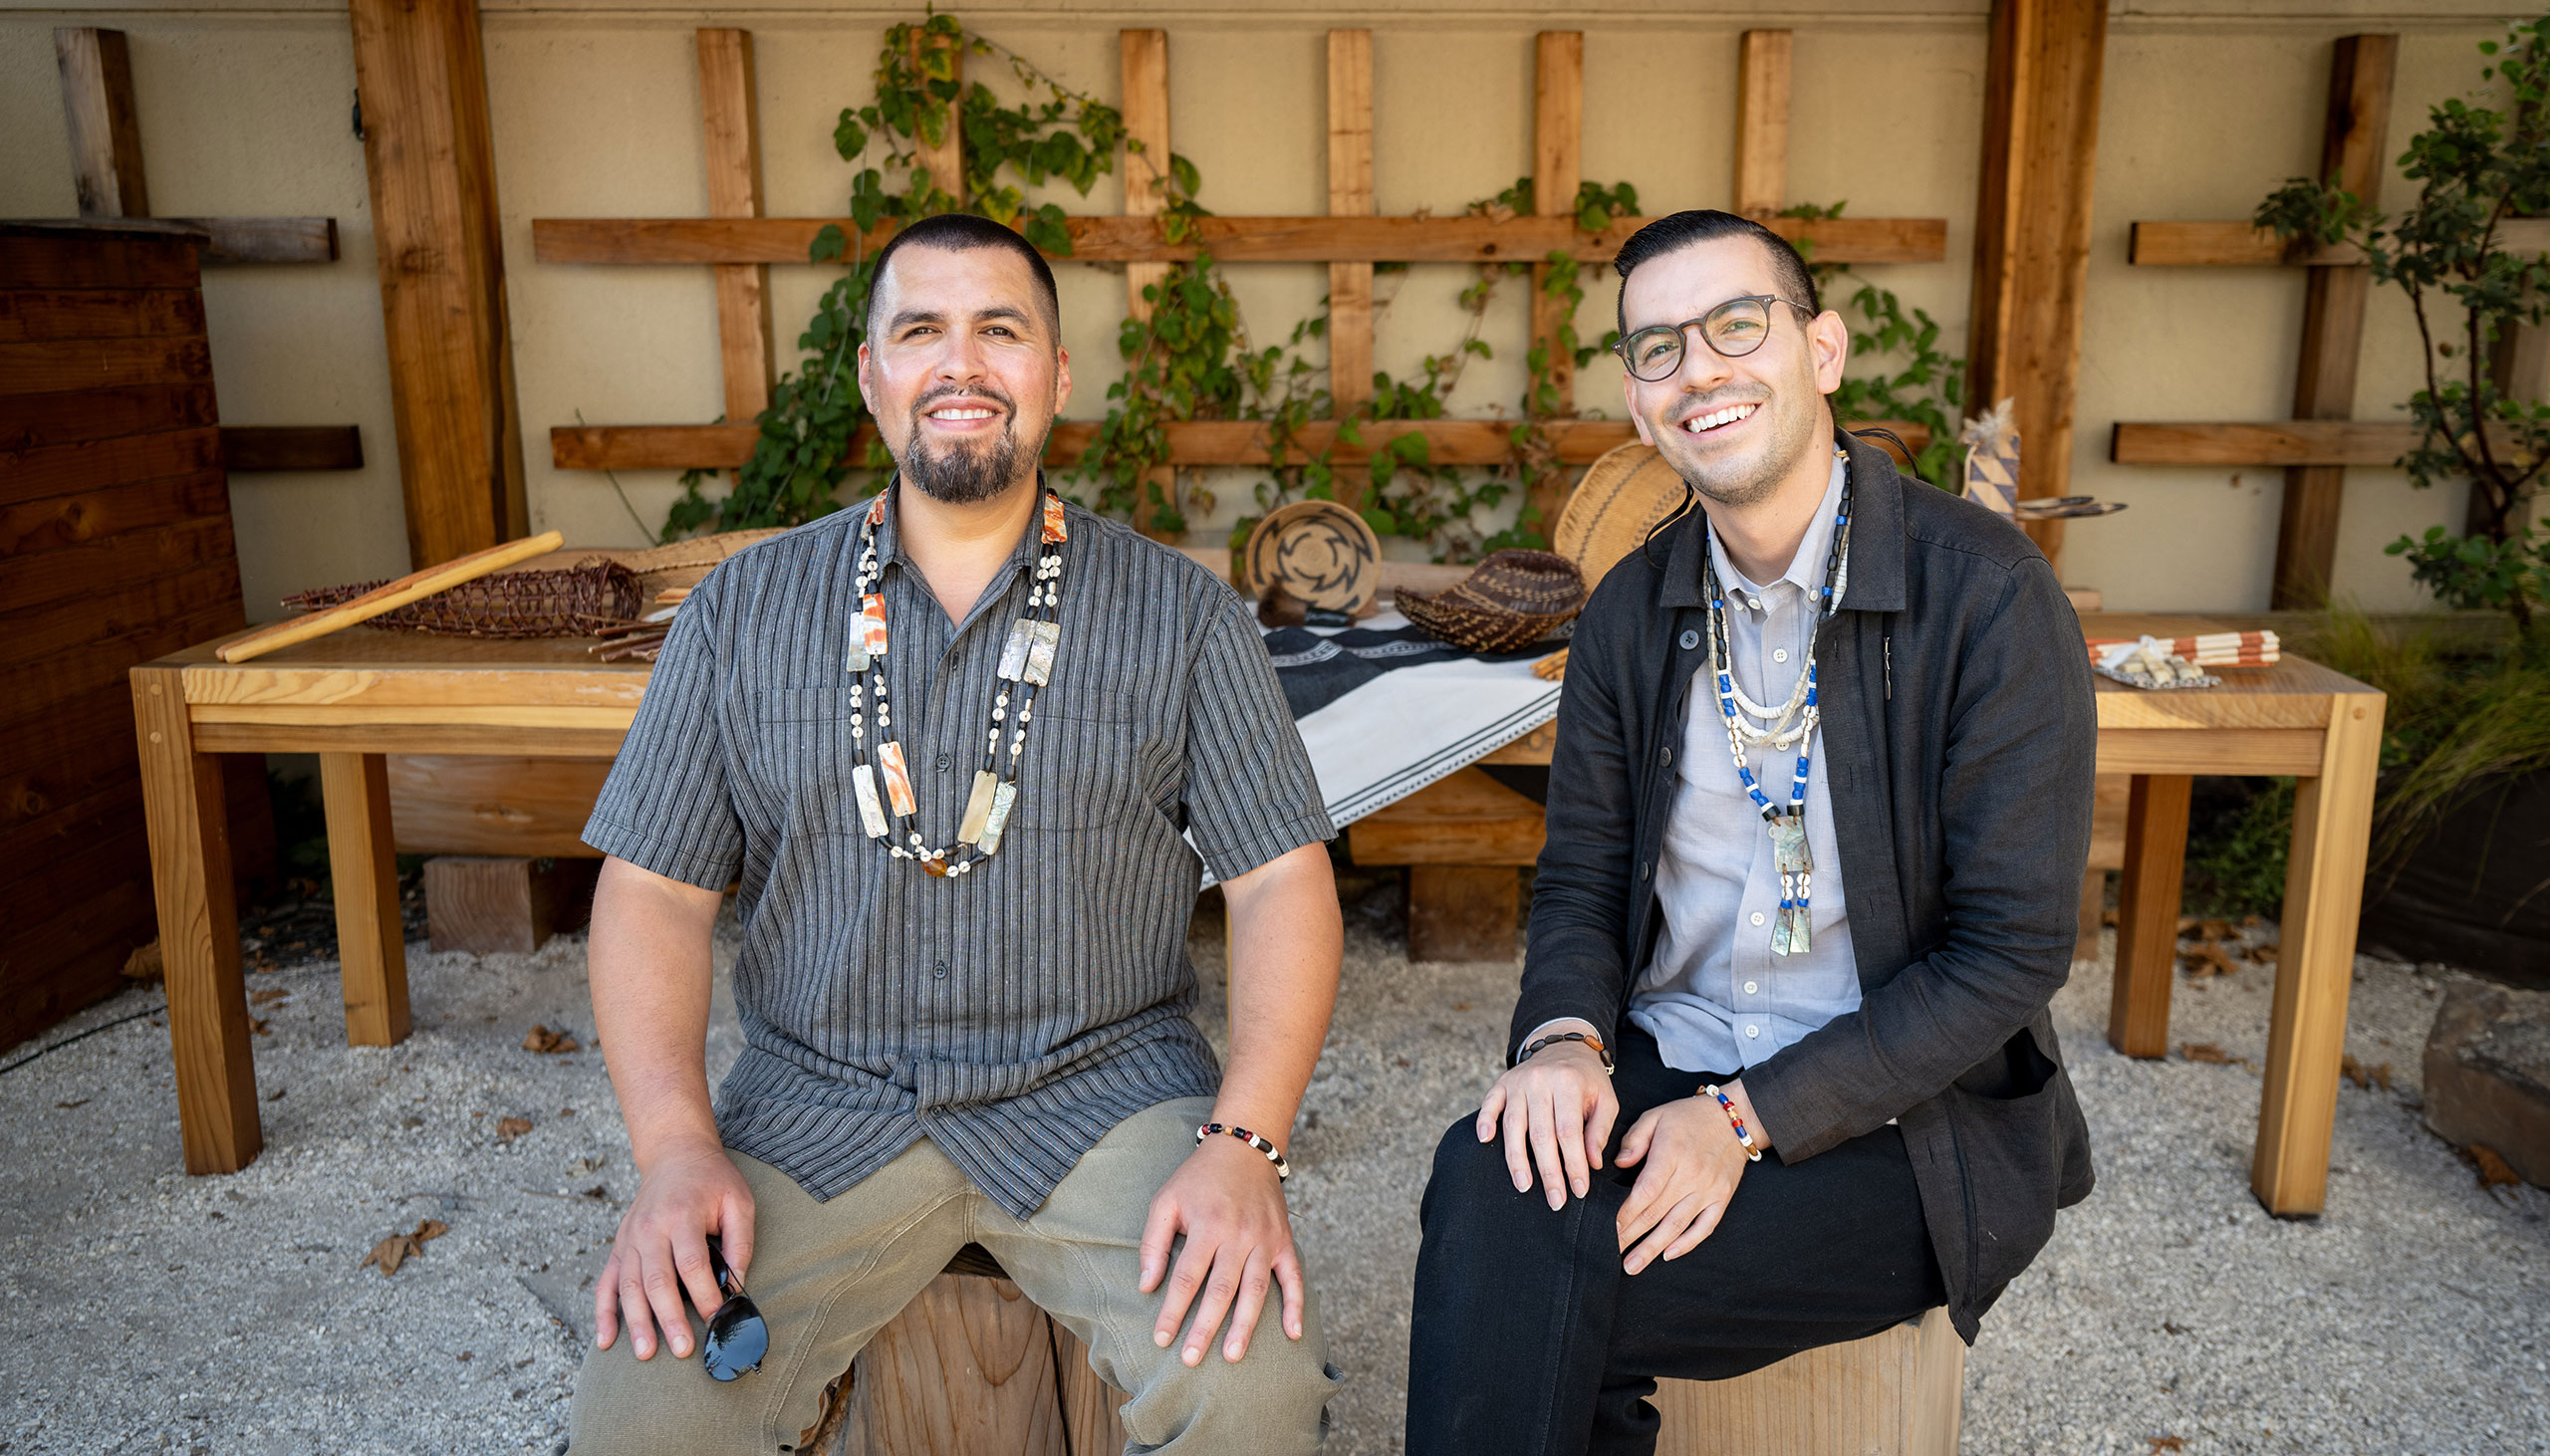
(1679,331)
(738,1336)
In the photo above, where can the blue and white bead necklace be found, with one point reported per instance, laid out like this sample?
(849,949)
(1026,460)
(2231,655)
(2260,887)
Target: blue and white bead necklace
(1792,724)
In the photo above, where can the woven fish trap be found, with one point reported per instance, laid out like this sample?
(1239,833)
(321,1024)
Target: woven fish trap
(574,601)
(1513,599)
(687,563)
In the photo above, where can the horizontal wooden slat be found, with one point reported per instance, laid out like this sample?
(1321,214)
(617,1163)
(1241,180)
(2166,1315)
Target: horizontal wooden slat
(40,687)
(83,749)
(57,522)
(2244,245)
(61,469)
(1190,443)
(29,315)
(58,367)
(34,996)
(107,855)
(292,447)
(1229,239)
(67,260)
(408,738)
(479,715)
(1467,818)
(107,566)
(32,421)
(2259,751)
(212,690)
(454,804)
(109,617)
(55,831)
(235,239)
(2280,442)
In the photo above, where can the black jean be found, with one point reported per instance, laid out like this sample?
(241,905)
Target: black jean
(1527,1337)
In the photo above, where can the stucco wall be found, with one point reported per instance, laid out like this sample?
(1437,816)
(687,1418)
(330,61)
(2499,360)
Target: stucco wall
(244,110)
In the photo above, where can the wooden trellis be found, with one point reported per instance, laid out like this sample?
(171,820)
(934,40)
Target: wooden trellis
(2322,439)
(741,244)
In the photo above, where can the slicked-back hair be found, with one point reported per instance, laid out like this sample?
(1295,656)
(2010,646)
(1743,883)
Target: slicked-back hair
(1707,225)
(962,232)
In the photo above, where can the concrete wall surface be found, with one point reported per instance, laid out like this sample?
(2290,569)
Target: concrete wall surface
(244,109)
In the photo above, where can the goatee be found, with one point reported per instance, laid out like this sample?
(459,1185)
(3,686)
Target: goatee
(963,475)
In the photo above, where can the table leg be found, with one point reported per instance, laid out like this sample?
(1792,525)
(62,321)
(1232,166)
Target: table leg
(2315,964)
(184,806)
(363,864)
(2147,914)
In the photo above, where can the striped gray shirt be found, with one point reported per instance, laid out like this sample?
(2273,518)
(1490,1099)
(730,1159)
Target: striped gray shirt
(1015,1014)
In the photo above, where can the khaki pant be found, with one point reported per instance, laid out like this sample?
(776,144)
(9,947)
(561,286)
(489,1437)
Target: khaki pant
(828,1276)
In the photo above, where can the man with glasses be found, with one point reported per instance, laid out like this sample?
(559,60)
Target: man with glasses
(1781,1073)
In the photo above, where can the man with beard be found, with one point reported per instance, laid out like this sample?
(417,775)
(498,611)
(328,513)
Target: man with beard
(954,744)
(1781,1066)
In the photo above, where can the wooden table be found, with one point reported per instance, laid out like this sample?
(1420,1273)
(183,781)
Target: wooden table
(2296,717)
(362,693)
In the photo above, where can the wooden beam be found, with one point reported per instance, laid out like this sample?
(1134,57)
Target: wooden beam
(1762,121)
(649,240)
(431,167)
(2352,158)
(2032,230)
(1190,443)
(291,447)
(1558,125)
(2247,245)
(233,239)
(1143,60)
(729,118)
(1350,194)
(106,136)
(944,160)
(2300,442)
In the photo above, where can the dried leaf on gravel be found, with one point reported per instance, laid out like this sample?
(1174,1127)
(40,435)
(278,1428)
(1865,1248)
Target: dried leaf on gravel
(2166,1443)
(2494,1170)
(260,1025)
(267,996)
(2206,958)
(66,1106)
(2365,1077)
(397,1249)
(509,1128)
(546,1042)
(144,964)
(2208,1052)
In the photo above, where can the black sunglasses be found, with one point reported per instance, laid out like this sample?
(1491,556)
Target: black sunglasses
(737,1337)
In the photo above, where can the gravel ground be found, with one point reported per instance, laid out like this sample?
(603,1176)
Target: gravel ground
(158,1312)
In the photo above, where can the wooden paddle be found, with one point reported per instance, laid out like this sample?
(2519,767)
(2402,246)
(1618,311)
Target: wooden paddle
(389,595)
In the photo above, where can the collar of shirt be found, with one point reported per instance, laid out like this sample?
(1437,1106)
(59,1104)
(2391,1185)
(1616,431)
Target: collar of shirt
(889,545)
(1806,569)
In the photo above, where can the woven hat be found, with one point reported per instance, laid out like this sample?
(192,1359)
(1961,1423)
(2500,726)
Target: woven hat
(1513,599)
(1625,492)
(1319,552)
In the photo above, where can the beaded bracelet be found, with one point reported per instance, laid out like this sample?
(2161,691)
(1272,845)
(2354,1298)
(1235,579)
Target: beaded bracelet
(1283,1169)
(1742,1137)
(1588,1038)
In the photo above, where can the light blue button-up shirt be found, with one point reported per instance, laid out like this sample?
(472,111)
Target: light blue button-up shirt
(1715,996)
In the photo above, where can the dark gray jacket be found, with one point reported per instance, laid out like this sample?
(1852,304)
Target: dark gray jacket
(1959,740)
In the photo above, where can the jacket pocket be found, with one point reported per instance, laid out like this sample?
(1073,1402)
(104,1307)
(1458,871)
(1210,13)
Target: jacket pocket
(2006,1112)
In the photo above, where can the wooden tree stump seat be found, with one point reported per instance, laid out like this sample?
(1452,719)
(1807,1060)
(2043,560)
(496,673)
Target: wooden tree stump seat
(1897,1393)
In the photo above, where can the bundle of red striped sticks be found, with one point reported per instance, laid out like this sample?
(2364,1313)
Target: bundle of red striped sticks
(2212,649)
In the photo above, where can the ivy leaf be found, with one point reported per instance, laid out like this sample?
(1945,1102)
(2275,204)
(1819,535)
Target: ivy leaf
(1048,231)
(849,137)
(828,246)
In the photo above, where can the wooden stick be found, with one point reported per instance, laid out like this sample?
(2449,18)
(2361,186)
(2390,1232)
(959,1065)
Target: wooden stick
(391,595)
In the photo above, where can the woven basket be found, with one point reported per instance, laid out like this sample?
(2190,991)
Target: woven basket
(1513,599)
(1318,552)
(1624,495)
(686,563)
(574,601)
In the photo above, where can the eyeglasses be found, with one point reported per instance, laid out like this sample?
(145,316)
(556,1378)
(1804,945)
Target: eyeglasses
(1735,329)
(737,1337)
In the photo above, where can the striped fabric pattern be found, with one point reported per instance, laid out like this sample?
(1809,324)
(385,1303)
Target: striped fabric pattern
(1013,1015)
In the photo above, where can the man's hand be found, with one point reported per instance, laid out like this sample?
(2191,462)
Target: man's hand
(661,1249)
(1226,1199)
(1561,1103)
(1693,1164)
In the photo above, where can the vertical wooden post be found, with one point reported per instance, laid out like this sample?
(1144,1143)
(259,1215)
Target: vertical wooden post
(1350,194)
(945,162)
(2032,229)
(727,111)
(2146,913)
(106,137)
(2315,961)
(2350,157)
(431,162)
(372,945)
(1142,55)
(1557,117)
(1762,121)
(183,805)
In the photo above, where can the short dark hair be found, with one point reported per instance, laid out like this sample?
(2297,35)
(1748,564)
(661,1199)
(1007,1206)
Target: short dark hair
(963,232)
(1706,225)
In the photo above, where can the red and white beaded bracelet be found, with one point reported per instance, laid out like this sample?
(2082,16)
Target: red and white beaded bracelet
(1283,1169)
(1743,1137)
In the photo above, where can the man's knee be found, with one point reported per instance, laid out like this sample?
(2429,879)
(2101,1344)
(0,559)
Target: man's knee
(627,1405)
(1470,1179)
(1274,1399)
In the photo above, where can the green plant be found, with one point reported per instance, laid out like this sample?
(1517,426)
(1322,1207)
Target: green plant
(2477,167)
(1929,387)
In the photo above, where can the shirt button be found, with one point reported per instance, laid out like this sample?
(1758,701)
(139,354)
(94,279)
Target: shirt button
(1779,654)
(1690,639)
(940,971)
(1668,755)
(944,760)
(1643,870)
(1752,986)
(1757,917)
(1752,1030)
